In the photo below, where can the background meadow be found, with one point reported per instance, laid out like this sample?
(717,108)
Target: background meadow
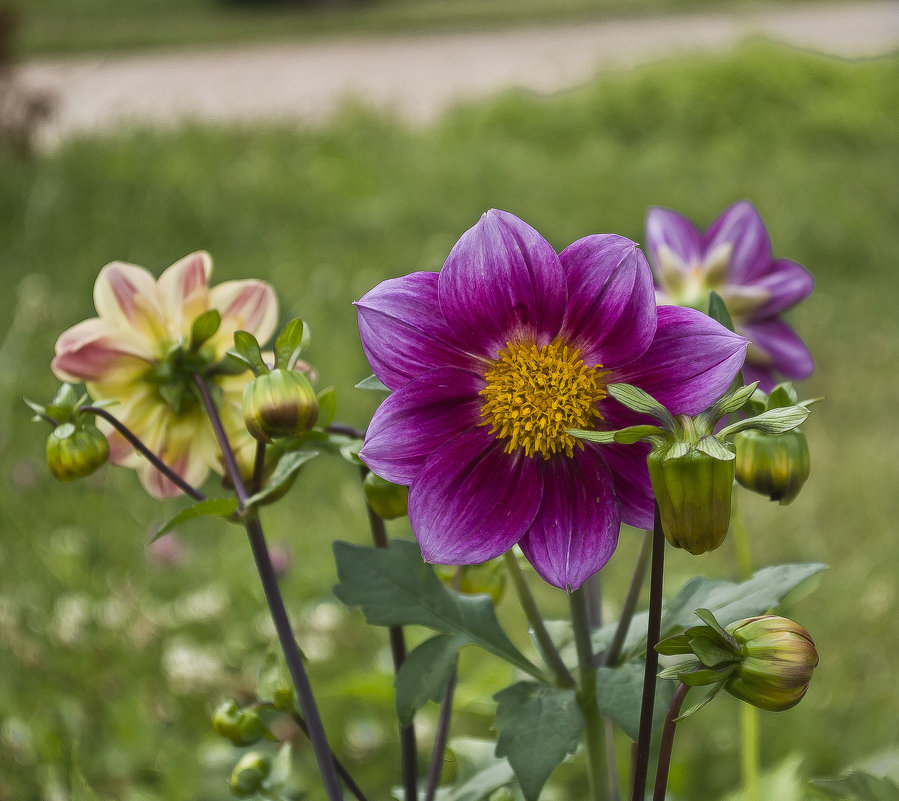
(113,654)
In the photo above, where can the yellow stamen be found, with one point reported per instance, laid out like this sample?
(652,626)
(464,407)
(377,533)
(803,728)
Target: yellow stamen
(534,395)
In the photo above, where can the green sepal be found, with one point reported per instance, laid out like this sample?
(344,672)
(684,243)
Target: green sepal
(732,401)
(702,676)
(203,328)
(674,645)
(623,436)
(349,451)
(372,384)
(783,395)
(677,451)
(247,350)
(673,672)
(327,406)
(284,472)
(225,508)
(774,421)
(709,619)
(639,401)
(717,688)
(711,653)
(711,446)
(291,342)
(718,311)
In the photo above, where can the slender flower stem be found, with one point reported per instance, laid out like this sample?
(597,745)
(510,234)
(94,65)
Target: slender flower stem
(529,605)
(440,738)
(667,743)
(586,692)
(258,468)
(408,746)
(592,589)
(278,611)
(610,657)
(656,575)
(151,457)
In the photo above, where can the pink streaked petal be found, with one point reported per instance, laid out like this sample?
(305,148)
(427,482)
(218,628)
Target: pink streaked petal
(188,447)
(780,348)
(95,349)
(631,480)
(667,228)
(611,308)
(471,502)
(418,418)
(576,529)
(502,282)
(786,283)
(741,226)
(184,291)
(248,305)
(691,362)
(125,297)
(403,332)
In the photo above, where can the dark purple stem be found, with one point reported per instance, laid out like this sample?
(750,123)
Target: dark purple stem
(277,609)
(151,457)
(440,738)
(667,743)
(657,571)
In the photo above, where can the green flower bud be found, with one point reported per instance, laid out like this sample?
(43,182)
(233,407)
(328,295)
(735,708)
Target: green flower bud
(777,660)
(488,578)
(76,450)
(776,465)
(387,500)
(281,403)
(250,773)
(694,493)
(241,727)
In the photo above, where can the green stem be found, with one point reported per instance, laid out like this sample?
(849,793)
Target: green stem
(586,693)
(657,572)
(278,611)
(613,652)
(529,605)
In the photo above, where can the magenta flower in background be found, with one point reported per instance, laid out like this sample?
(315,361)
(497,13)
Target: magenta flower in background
(494,358)
(733,258)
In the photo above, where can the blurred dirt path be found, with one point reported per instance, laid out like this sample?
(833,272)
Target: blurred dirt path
(419,76)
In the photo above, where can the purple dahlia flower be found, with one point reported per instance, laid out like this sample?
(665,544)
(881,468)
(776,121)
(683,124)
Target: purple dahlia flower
(733,258)
(492,360)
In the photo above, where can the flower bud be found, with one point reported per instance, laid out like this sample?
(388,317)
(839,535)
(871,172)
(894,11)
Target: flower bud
(488,578)
(249,773)
(694,493)
(75,451)
(387,500)
(281,403)
(776,465)
(241,727)
(778,657)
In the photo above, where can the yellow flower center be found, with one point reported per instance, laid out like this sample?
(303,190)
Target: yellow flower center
(534,395)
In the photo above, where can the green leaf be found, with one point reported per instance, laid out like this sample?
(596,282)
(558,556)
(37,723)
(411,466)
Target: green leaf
(246,349)
(774,421)
(640,401)
(783,395)
(859,786)
(674,645)
(372,384)
(709,697)
(710,653)
(718,311)
(619,692)
(284,471)
(713,447)
(211,507)
(780,783)
(711,621)
(394,587)
(80,790)
(327,407)
(701,676)
(290,344)
(538,727)
(203,328)
(425,673)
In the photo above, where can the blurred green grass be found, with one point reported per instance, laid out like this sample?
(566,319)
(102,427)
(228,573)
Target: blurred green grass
(65,27)
(105,637)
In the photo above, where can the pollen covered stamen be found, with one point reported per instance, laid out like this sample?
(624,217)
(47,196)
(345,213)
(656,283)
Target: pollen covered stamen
(534,395)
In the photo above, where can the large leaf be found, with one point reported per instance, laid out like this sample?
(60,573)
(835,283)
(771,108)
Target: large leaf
(619,691)
(859,786)
(211,507)
(538,727)
(425,673)
(394,587)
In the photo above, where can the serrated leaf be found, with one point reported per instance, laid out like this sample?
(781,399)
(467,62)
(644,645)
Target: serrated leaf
(246,349)
(211,507)
(284,471)
(538,726)
(859,786)
(718,311)
(425,673)
(204,327)
(711,446)
(372,384)
(620,693)
(394,587)
(640,401)
(774,421)
(290,344)
(327,407)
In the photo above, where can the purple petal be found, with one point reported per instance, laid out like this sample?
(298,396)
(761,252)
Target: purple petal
(417,419)
(403,331)
(576,530)
(742,228)
(786,284)
(471,501)
(632,486)
(691,362)
(667,228)
(776,346)
(502,282)
(611,300)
